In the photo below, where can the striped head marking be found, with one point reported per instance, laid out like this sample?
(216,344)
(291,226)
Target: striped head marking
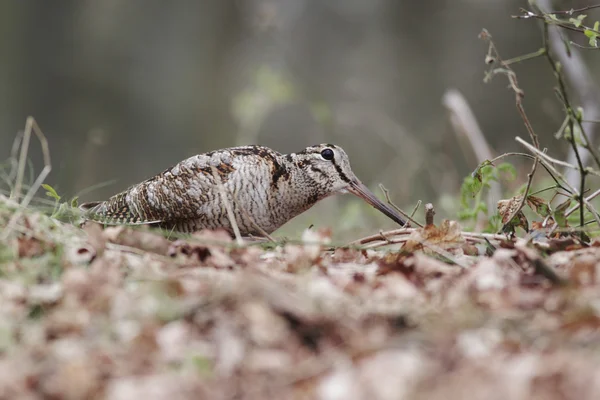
(329,167)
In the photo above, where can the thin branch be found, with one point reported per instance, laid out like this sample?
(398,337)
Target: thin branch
(519,94)
(569,110)
(543,159)
(577,10)
(531,157)
(525,57)
(582,46)
(554,160)
(574,68)
(391,203)
(578,205)
(548,20)
(415,208)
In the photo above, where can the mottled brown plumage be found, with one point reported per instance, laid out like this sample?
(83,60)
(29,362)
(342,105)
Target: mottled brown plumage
(263,187)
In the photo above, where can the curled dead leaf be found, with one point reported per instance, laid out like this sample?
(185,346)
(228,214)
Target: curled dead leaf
(507,207)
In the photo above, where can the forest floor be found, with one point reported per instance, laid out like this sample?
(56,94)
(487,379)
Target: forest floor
(120,313)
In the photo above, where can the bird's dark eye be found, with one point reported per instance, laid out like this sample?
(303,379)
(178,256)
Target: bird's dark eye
(327,154)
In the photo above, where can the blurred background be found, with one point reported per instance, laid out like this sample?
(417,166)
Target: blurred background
(125,89)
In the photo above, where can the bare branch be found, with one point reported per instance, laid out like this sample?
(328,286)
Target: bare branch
(519,94)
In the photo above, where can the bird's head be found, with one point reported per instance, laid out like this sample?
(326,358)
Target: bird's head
(328,166)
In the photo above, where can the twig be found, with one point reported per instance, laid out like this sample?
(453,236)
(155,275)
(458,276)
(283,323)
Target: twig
(572,43)
(525,57)
(569,110)
(553,160)
(577,10)
(531,157)
(543,159)
(227,205)
(372,238)
(519,94)
(578,205)
(574,68)
(416,207)
(401,235)
(429,214)
(548,20)
(30,125)
(389,201)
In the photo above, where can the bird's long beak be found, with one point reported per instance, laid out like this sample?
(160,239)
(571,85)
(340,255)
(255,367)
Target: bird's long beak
(358,189)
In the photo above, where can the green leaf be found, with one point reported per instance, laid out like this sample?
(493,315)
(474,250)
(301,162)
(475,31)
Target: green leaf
(539,205)
(559,213)
(474,185)
(75,202)
(593,36)
(577,21)
(51,192)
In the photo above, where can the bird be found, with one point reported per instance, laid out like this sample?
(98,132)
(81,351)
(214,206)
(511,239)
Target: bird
(262,188)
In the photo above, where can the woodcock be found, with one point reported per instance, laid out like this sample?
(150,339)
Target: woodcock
(263,187)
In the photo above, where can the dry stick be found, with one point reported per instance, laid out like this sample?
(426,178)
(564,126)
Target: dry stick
(576,11)
(387,198)
(465,125)
(429,214)
(394,236)
(30,125)
(576,206)
(415,208)
(472,237)
(230,214)
(545,159)
(372,238)
(547,19)
(519,94)
(554,160)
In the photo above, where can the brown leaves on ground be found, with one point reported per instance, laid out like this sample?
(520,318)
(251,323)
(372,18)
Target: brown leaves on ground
(122,313)
(446,237)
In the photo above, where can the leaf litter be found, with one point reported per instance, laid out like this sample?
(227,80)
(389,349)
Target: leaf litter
(126,313)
